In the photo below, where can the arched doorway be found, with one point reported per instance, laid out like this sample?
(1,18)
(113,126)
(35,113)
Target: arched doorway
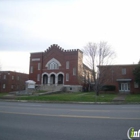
(52,79)
(45,79)
(60,79)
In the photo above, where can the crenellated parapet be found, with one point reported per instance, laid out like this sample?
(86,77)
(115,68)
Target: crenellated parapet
(55,46)
(71,50)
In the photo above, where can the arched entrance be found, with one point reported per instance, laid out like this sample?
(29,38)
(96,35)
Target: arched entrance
(60,79)
(45,79)
(52,79)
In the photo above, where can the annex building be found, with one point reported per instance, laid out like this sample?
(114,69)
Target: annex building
(12,81)
(56,66)
(121,76)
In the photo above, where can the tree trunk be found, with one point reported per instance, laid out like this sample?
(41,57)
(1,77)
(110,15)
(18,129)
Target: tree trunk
(97,89)
(97,92)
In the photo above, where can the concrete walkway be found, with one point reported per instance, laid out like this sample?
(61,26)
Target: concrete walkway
(8,96)
(15,95)
(120,98)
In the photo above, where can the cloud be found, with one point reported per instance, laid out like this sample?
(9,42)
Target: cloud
(15,61)
(32,26)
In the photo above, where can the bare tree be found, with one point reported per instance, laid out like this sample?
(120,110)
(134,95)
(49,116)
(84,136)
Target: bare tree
(97,55)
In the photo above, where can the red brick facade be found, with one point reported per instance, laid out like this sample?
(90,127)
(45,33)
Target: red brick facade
(12,81)
(121,76)
(56,66)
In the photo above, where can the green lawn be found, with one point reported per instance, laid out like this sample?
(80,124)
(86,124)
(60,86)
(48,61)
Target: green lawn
(2,94)
(79,97)
(76,97)
(133,98)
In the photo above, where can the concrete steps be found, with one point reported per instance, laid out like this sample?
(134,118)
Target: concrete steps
(51,87)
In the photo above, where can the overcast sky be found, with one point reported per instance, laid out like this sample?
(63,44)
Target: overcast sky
(33,25)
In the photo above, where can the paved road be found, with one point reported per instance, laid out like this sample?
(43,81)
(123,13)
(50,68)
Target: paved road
(36,121)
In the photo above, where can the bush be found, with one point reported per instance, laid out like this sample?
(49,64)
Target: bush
(108,88)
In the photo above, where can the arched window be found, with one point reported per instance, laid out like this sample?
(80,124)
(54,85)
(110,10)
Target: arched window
(53,64)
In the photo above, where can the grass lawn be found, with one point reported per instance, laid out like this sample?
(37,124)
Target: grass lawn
(76,97)
(2,94)
(133,98)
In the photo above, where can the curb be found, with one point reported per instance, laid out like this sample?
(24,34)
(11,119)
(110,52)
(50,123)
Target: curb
(70,102)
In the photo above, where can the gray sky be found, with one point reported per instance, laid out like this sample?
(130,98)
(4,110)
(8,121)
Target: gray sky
(33,25)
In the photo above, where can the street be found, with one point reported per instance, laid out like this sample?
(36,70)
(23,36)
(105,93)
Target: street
(48,121)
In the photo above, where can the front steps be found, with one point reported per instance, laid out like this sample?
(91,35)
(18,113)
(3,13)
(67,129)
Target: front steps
(51,88)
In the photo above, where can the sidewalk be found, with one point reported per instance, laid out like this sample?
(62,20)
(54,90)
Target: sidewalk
(120,98)
(8,96)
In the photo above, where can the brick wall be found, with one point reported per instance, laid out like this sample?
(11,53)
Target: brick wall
(12,81)
(74,57)
(114,73)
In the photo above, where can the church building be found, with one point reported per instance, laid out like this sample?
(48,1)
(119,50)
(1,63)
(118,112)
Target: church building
(56,66)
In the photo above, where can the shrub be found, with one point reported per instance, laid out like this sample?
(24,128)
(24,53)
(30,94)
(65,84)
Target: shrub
(108,88)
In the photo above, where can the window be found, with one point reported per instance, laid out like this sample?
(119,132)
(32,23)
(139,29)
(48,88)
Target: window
(4,86)
(123,71)
(136,85)
(38,77)
(67,64)
(67,77)
(53,66)
(39,65)
(4,76)
(74,71)
(12,77)
(31,69)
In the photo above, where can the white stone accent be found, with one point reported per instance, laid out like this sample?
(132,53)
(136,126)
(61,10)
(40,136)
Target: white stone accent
(53,60)
(35,59)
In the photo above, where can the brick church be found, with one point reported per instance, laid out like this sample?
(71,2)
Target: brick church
(56,66)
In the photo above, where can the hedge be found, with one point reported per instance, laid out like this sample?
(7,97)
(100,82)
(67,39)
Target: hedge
(108,88)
